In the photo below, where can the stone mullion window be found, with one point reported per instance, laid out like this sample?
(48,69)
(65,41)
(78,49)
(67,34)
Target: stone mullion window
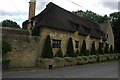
(76,44)
(56,43)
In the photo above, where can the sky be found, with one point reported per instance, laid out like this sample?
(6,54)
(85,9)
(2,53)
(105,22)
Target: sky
(17,10)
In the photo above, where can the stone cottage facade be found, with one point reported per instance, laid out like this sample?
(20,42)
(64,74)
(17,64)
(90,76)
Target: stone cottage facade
(61,24)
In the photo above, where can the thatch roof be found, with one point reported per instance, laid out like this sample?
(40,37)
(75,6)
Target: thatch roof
(56,17)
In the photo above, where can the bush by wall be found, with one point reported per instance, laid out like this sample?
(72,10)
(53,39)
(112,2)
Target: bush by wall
(35,31)
(93,50)
(106,48)
(6,46)
(83,49)
(70,49)
(100,49)
(59,53)
(47,50)
(77,53)
(111,49)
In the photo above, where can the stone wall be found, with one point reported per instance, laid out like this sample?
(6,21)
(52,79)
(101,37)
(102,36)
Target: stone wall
(71,61)
(64,37)
(24,50)
(17,31)
(27,49)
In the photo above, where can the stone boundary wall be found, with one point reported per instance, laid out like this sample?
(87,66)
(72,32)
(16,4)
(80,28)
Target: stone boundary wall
(24,50)
(17,31)
(48,63)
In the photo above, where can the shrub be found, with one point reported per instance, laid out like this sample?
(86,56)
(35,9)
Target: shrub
(87,52)
(6,47)
(70,50)
(69,59)
(111,49)
(100,49)
(59,53)
(83,49)
(36,31)
(93,50)
(47,50)
(77,53)
(106,48)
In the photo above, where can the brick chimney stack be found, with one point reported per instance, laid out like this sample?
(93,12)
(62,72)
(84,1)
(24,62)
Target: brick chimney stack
(32,6)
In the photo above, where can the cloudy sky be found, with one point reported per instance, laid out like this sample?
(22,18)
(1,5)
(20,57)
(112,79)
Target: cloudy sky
(17,10)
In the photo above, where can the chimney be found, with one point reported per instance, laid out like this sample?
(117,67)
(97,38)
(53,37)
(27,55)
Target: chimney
(32,6)
(80,13)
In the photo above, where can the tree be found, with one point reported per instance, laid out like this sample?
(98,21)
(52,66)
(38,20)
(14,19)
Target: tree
(83,49)
(106,48)
(94,17)
(59,53)
(115,21)
(93,50)
(47,50)
(70,49)
(10,23)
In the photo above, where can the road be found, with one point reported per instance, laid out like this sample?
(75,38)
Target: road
(102,70)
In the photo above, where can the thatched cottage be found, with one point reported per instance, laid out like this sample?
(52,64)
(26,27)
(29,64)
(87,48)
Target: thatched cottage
(61,24)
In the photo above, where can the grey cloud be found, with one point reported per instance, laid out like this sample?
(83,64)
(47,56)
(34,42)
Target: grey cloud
(119,6)
(17,13)
(110,5)
(41,5)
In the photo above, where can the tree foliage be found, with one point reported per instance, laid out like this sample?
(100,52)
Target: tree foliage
(83,49)
(70,49)
(47,50)
(115,21)
(9,23)
(94,17)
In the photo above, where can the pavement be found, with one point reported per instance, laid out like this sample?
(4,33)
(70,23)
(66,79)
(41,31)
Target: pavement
(102,70)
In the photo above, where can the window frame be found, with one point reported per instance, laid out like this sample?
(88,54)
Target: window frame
(56,43)
(76,44)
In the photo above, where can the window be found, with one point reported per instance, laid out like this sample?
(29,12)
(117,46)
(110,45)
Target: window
(76,44)
(56,43)
(107,35)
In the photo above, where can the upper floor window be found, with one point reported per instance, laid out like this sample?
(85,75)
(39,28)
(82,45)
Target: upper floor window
(76,44)
(56,43)
(107,35)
